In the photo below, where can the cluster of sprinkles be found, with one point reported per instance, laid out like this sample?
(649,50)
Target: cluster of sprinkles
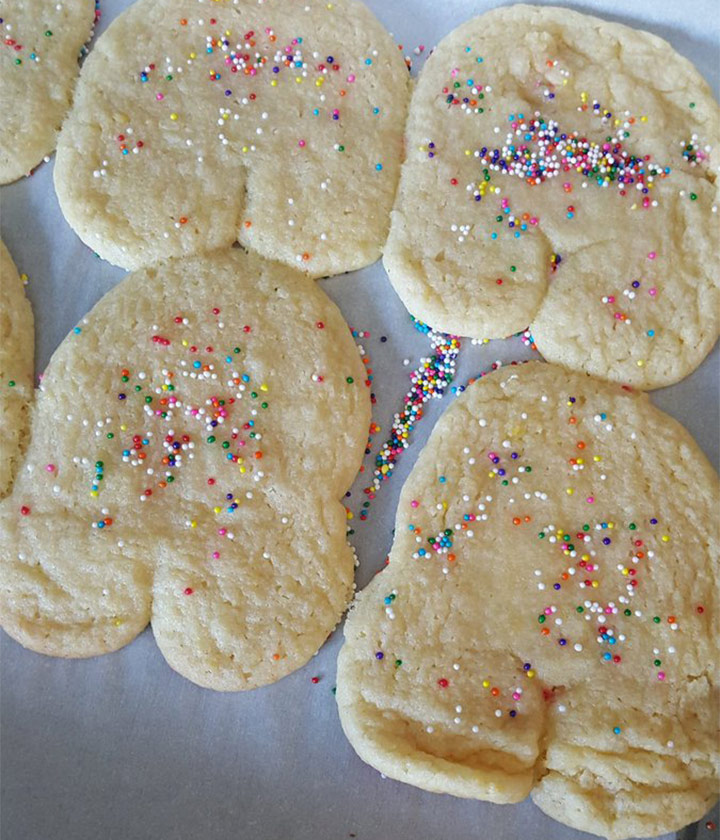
(429,380)
(590,572)
(537,150)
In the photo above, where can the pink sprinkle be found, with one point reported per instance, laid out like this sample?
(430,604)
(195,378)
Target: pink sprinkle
(159,97)
(590,499)
(50,467)
(301,143)
(652,292)
(652,255)
(215,555)
(222,531)
(611,299)
(661,676)
(351,78)
(414,503)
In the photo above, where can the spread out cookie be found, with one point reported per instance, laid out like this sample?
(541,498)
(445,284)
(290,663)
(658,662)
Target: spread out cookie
(40,44)
(192,438)
(198,124)
(17,343)
(561,173)
(546,623)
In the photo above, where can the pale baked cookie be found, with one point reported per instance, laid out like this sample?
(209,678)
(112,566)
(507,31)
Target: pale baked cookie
(17,342)
(191,442)
(195,124)
(548,619)
(40,45)
(561,173)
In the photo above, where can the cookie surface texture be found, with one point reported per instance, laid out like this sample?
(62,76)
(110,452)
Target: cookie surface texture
(561,173)
(276,124)
(190,444)
(547,622)
(41,45)
(17,341)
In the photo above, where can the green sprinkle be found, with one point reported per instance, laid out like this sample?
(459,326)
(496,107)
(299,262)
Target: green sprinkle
(211,439)
(693,197)
(656,619)
(632,526)
(541,619)
(349,380)
(398,663)
(11,383)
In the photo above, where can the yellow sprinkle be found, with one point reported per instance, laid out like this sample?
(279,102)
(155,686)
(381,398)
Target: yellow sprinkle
(185,342)
(243,470)
(665,538)
(625,572)
(173,117)
(640,363)
(263,387)
(597,458)
(94,493)
(530,674)
(468,152)
(193,524)
(350,514)
(217,509)
(595,584)
(486,683)
(273,83)
(123,428)
(118,622)
(569,491)
(193,55)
